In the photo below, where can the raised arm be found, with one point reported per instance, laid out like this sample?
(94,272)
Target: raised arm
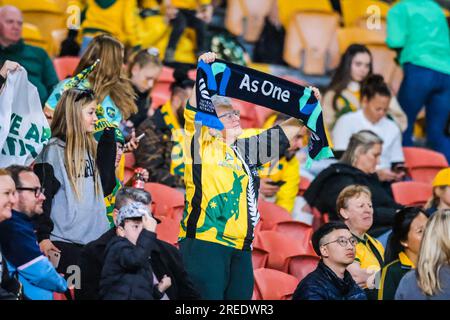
(207,57)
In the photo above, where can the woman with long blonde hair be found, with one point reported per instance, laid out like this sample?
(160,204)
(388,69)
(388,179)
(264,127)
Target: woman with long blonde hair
(74,211)
(431,279)
(108,80)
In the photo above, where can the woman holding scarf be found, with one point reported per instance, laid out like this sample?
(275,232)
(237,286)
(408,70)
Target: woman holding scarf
(221,196)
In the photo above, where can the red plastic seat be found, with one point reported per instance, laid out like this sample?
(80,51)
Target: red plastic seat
(65,66)
(412,193)
(302,265)
(166,75)
(169,202)
(280,248)
(273,285)
(168,230)
(297,230)
(259,258)
(272,214)
(423,164)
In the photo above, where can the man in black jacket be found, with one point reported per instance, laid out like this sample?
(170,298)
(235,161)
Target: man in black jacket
(165,258)
(334,243)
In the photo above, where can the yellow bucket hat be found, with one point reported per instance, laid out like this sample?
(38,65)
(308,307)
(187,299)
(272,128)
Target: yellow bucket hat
(442,178)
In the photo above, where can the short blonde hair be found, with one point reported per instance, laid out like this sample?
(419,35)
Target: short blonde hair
(352,191)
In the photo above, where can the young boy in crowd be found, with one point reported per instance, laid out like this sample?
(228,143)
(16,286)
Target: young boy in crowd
(127,273)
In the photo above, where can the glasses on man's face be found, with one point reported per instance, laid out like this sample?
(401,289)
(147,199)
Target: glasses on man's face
(37,191)
(343,242)
(229,115)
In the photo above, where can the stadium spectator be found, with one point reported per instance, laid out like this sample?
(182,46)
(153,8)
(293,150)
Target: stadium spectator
(375,97)
(18,240)
(7,66)
(344,92)
(165,259)
(76,175)
(144,69)
(419,31)
(431,279)
(9,287)
(354,206)
(34,60)
(161,149)
(111,86)
(216,178)
(402,249)
(441,192)
(357,166)
(187,13)
(118,18)
(127,273)
(335,245)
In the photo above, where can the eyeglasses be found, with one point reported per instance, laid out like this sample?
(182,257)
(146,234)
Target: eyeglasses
(343,242)
(83,93)
(37,191)
(229,115)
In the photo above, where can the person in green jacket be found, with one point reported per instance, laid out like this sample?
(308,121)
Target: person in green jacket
(418,30)
(36,61)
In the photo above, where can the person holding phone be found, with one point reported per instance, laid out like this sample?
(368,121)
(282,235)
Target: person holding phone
(375,98)
(19,243)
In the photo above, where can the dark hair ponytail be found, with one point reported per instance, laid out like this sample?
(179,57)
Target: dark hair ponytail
(374,84)
(402,223)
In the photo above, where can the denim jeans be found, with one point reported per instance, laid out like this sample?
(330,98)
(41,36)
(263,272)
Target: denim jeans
(425,87)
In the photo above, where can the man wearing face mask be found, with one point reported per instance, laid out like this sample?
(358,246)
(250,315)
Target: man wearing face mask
(19,243)
(335,245)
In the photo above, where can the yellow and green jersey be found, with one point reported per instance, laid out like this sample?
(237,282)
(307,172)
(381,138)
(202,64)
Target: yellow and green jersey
(369,253)
(110,202)
(222,183)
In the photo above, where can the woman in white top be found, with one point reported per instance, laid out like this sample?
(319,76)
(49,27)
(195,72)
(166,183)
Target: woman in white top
(344,91)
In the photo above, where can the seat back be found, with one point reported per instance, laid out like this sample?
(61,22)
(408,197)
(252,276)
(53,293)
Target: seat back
(271,214)
(273,284)
(280,248)
(58,36)
(259,258)
(168,230)
(297,230)
(309,41)
(31,35)
(168,201)
(302,265)
(65,66)
(423,164)
(411,193)
(247,17)
(286,9)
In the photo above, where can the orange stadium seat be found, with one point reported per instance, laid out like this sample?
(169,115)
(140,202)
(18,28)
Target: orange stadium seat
(356,12)
(310,42)
(259,258)
(253,11)
(303,185)
(65,66)
(271,214)
(169,202)
(423,164)
(168,229)
(281,248)
(273,285)
(297,230)
(32,36)
(411,193)
(300,266)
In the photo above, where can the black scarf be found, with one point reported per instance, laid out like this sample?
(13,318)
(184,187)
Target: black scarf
(231,80)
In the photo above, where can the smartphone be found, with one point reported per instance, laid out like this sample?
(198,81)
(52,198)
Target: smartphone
(54,258)
(398,167)
(140,137)
(276,183)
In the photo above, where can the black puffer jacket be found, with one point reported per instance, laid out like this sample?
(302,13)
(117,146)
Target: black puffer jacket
(127,273)
(324,284)
(324,190)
